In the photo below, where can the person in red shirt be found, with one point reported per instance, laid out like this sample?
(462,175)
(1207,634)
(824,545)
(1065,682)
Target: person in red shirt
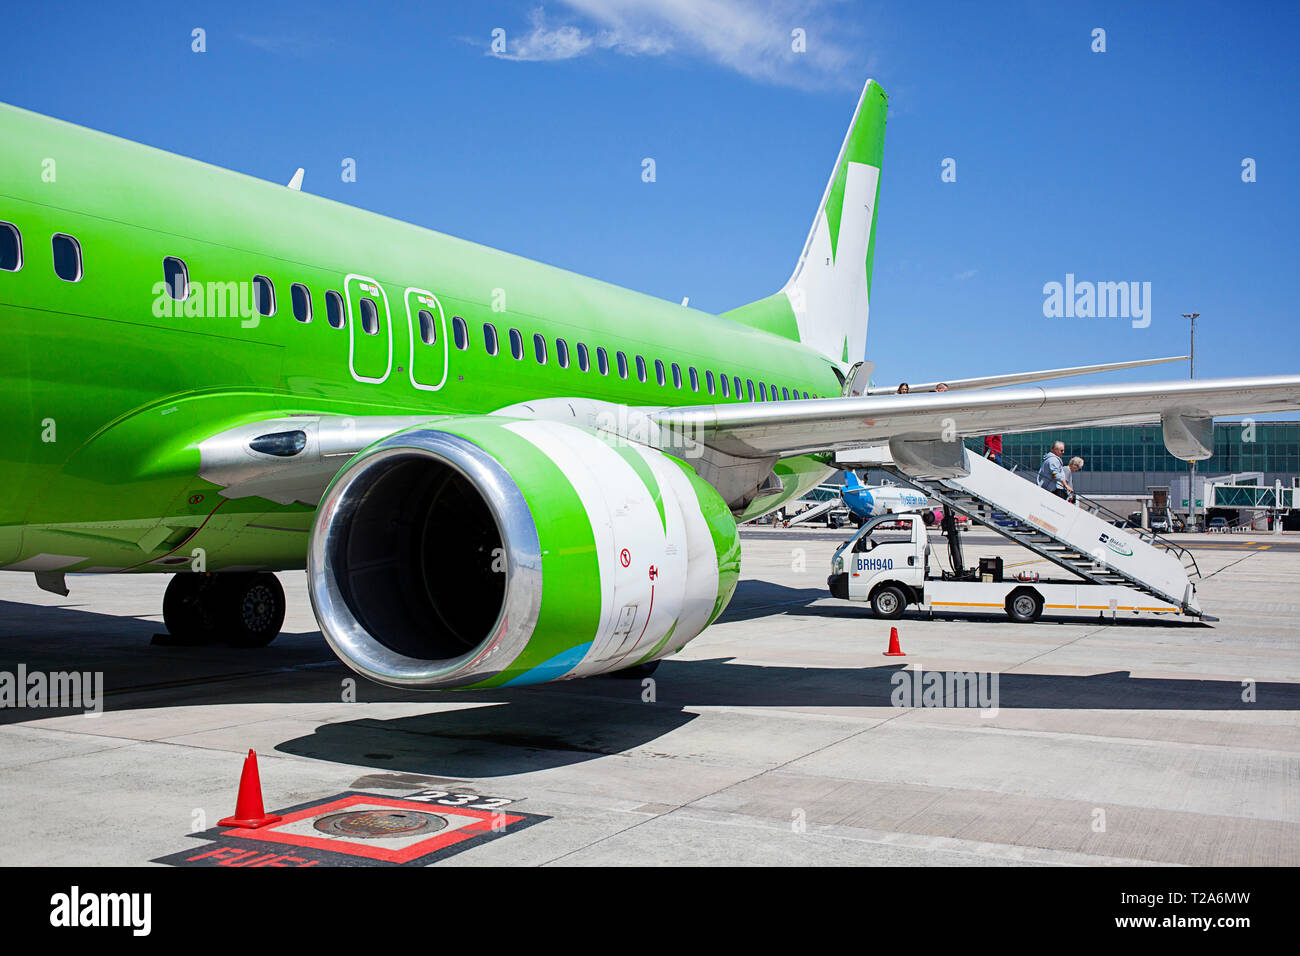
(993,447)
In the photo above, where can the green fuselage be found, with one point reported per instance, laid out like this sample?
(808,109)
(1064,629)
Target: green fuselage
(104,395)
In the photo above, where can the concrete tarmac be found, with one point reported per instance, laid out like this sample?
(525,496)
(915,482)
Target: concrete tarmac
(772,738)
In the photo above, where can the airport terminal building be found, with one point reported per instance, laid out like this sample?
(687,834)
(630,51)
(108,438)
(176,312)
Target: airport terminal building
(1129,459)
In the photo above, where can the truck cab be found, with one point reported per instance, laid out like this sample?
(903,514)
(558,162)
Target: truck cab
(887,569)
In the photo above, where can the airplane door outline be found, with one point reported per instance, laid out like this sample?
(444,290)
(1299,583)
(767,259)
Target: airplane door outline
(362,282)
(429,299)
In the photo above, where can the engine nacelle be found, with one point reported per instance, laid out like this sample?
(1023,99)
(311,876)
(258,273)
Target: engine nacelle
(484,551)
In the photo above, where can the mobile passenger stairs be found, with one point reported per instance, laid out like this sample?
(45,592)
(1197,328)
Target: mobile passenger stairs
(1084,538)
(819,510)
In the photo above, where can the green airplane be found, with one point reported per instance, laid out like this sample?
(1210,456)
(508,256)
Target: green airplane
(493,470)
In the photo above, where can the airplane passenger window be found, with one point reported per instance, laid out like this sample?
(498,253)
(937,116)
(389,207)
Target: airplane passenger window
(177,278)
(369,316)
(659,372)
(428,329)
(762,392)
(539,347)
(622,364)
(726,388)
(334,313)
(490,338)
(301,297)
(695,379)
(11,247)
(562,353)
(750,392)
(640,369)
(584,360)
(516,344)
(785,394)
(264,298)
(459,332)
(67,257)
(708,381)
(735,385)
(602,361)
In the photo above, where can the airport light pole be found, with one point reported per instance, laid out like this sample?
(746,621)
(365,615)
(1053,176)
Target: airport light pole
(1191,481)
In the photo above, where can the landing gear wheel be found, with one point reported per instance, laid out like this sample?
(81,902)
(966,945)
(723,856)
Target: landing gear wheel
(1024,606)
(888,602)
(188,608)
(251,608)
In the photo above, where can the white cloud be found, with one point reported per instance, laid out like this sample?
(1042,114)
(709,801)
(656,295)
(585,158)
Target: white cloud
(752,37)
(962,276)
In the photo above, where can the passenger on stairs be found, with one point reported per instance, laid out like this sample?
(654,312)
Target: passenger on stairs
(1052,473)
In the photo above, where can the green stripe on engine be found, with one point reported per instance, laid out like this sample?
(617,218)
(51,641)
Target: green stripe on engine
(647,477)
(726,537)
(659,646)
(570,609)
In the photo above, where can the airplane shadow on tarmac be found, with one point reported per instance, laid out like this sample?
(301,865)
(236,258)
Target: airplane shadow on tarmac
(515,729)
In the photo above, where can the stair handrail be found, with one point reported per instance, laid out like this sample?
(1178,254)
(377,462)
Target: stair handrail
(1095,507)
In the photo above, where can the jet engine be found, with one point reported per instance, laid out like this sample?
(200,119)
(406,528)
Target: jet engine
(485,551)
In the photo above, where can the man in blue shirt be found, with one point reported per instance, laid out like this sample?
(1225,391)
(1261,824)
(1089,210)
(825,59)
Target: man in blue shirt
(1052,475)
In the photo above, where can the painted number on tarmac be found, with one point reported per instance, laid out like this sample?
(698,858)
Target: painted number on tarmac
(449,798)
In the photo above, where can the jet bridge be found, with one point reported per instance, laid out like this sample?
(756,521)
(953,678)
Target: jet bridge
(1079,538)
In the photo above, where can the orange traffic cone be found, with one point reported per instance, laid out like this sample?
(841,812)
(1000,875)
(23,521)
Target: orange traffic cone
(249,812)
(894,649)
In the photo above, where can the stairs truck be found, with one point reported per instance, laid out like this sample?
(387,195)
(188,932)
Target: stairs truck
(1109,569)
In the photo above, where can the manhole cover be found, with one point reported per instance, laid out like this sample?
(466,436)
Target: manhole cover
(377,824)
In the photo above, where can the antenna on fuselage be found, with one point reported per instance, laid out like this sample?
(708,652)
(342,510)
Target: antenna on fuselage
(296,182)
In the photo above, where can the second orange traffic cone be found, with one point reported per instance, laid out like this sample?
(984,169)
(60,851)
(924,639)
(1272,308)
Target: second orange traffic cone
(249,812)
(894,649)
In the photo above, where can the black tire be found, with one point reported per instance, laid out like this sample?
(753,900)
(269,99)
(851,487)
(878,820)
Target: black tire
(1024,605)
(251,608)
(888,602)
(637,671)
(188,608)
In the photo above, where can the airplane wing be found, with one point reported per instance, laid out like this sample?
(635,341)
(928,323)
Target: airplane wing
(293,458)
(1022,378)
(782,429)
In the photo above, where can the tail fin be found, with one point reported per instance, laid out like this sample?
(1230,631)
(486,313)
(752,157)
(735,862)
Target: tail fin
(825,303)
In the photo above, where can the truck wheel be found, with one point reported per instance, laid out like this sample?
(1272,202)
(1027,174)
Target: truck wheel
(888,602)
(1024,605)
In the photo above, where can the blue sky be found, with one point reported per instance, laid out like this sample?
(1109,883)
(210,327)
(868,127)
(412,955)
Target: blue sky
(1115,166)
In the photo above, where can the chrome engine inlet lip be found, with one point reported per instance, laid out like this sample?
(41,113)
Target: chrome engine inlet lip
(514,521)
